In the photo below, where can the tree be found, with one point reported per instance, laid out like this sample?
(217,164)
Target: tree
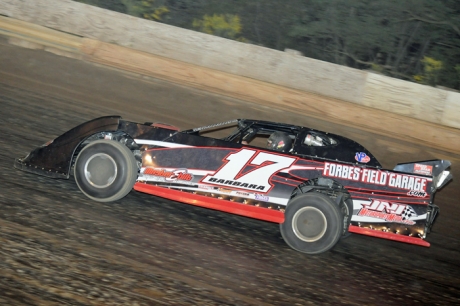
(391,37)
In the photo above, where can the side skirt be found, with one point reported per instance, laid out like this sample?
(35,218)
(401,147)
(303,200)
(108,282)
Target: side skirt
(389,236)
(255,212)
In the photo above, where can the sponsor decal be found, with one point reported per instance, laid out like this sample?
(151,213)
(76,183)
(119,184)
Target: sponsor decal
(417,193)
(261,197)
(406,182)
(342,171)
(376,177)
(390,212)
(280,145)
(201,186)
(423,169)
(362,157)
(244,194)
(162,175)
(218,181)
(249,169)
(224,190)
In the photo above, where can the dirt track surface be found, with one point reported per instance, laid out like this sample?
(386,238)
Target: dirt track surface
(59,248)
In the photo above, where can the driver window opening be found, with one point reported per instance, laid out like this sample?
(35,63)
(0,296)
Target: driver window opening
(256,140)
(318,140)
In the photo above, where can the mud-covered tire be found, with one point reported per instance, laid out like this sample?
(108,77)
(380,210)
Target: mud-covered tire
(313,223)
(347,212)
(105,170)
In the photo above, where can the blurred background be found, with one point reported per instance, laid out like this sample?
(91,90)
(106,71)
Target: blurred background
(414,40)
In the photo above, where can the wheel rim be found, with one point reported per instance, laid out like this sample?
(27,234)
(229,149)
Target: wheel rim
(100,170)
(309,224)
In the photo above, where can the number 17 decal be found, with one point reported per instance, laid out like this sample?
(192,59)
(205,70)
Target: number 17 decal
(262,166)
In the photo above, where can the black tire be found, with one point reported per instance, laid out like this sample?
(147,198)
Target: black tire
(313,223)
(347,212)
(105,170)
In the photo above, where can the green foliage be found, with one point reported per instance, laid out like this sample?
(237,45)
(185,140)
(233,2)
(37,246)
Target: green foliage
(419,78)
(150,10)
(432,70)
(227,26)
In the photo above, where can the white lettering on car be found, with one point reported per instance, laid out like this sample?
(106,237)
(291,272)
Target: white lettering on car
(341,171)
(264,166)
(376,177)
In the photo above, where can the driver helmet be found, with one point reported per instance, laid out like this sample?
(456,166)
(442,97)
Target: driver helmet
(279,141)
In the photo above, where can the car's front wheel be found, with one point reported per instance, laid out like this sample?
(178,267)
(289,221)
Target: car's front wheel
(313,223)
(105,170)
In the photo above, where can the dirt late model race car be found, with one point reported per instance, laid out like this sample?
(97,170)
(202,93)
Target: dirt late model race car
(318,186)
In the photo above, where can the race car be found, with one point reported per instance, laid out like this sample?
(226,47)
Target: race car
(318,186)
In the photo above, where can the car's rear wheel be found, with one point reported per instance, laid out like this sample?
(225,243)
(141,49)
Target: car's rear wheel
(105,170)
(313,223)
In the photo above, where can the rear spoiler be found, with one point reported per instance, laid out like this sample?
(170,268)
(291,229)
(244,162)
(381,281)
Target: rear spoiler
(433,168)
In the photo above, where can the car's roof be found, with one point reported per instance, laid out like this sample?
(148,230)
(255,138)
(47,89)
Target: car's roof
(345,152)
(244,123)
(268,124)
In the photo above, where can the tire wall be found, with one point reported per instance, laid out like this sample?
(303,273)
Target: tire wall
(288,73)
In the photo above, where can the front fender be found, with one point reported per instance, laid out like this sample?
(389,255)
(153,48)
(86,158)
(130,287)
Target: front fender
(54,159)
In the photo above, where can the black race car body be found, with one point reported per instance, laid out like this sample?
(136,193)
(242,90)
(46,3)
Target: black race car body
(319,189)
